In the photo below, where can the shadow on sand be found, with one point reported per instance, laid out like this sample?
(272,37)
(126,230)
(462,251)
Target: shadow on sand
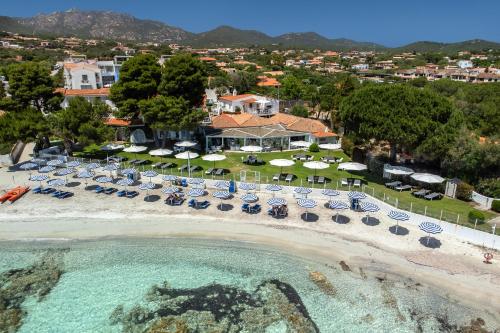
(400,231)
(430,242)
(370,221)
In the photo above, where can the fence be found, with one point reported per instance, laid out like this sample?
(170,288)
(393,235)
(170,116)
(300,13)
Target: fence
(482,200)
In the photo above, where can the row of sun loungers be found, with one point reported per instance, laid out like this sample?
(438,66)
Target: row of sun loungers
(286,177)
(139,162)
(317,179)
(251,209)
(353,182)
(127,194)
(427,194)
(195,204)
(161,165)
(193,168)
(278,211)
(216,172)
(330,159)
(52,191)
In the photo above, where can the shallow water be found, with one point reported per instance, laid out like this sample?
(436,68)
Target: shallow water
(100,276)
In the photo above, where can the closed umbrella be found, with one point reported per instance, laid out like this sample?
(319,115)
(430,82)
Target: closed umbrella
(369,207)
(352,166)
(427,178)
(187,155)
(214,158)
(281,162)
(335,204)
(430,228)
(398,216)
(307,204)
(249,197)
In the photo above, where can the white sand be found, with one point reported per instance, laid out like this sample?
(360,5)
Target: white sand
(455,269)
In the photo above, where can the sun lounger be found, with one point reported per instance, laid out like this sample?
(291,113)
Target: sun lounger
(219,172)
(183,168)
(194,168)
(276,177)
(121,193)
(421,193)
(310,179)
(110,190)
(255,209)
(357,183)
(321,180)
(403,188)
(184,182)
(65,195)
(344,182)
(157,165)
(245,207)
(209,171)
(289,177)
(132,194)
(433,196)
(48,190)
(36,190)
(56,193)
(204,204)
(192,203)
(167,165)
(393,184)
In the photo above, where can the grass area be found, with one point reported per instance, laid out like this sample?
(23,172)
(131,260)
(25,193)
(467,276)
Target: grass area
(450,210)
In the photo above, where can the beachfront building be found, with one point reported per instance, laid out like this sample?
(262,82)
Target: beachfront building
(232,131)
(247,103)
(91,95)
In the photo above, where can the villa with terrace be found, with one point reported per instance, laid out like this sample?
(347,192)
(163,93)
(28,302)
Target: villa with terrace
(247,103)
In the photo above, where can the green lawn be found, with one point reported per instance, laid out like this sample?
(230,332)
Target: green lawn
(447,209)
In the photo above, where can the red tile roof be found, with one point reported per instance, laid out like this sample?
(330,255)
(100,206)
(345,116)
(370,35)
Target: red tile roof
(117,122)
(83,92)
(236,97)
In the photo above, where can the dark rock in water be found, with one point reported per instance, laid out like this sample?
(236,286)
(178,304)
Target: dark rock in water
(323,283)
(344,266)
(218,308)
(18,284)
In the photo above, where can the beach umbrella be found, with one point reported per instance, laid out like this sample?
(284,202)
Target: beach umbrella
(38,161)
(28,166)
(251,149)
(86,174)
(335,204)
(222,195)
(129,171)
(161,152)
(125,182)
(103,179)
(276,202)
(281,162)
(249,197)
(302,190)
(330,193)
(46,169)
(65,172)
(274,188)
(187,155)
(307,204)
(195,181)
(169,178)
(329,146)
(112,147)
(73,164)
(369,207)
(186,144)
(222,184)
(214,158)
(38,178)
(92,166)
(170,190)
(301,144)
(398,216)
(150,174)
(110,167)
(316,165)
(397,170)
(427,178)
(352,166)
(135,149)
(196,192)
(247,186)
(146,187)
(356,195)
(55,163)
(430,228)
(56,182)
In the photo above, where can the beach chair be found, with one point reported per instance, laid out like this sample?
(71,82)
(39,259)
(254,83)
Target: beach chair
(255,209)
(344,182)
(57,193)
(393,184)
(178,202)
(357,183)
(219,172)
(157,165)
(340,160)
(194,168)
(244,207)
(64,195)
(276,177)
(36,190)
(167,165)
(133,161)
(402,188)
(289,177)
(47,190)
(421,193)
(192,203)
(204,204)
(433,196)
(121,193)
(209,171)
(110,190)
(310,179)
(321,180)
(132,194)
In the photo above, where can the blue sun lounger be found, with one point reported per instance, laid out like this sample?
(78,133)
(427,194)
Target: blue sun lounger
(255,209)
(36,190)
(64,195)
(244,207)
(110,190)
(99,189)
(132,194)
(48,190)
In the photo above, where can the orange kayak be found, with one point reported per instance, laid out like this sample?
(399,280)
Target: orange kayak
(14,194)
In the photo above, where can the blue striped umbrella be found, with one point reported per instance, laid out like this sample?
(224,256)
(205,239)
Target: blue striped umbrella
(222,195)
(356,195)
(146,187)
(110,167)
(369,207)
(65,171)
(38,178)
(170,190)
(56,182)
(150,173)
(430,228)
(46,169)
(73,164)
(128,171)
(85,174)
(248,186)
(307,204)
(170,178)
(55,162)
(398,216)
(302,190)
(274,188)
(249,197)
(28,166)
(92,166)
(103,179)
(38,161)
(125,182)
(335,204)
(330,193)
(195,181)
(196,192)
(276,202)
(222,184)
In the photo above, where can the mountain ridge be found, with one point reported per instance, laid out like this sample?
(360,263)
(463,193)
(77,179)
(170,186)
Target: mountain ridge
(122,26)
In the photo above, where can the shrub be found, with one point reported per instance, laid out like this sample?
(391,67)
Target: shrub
(476,215)
(347,145)
(489,187)
(464,191)
(495,206)
(299,111)
(314,148)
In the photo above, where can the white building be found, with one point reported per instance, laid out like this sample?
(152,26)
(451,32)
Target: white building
(360,67)
(465,64)
(247,103)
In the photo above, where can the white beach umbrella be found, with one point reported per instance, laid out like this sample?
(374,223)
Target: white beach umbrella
(316,165)
(303,144)
(187,155)
(196,192)
(92,166)
(352,166)
(214,158)
(281,162)
(329,146)
(427,178)
(135,149)
(85,174)
(251,149)
(397,170)
(160,152)
(169,178)
(104,179)
(186,144)
(65,172)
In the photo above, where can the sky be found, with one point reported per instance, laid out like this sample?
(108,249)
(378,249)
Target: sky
(388,22)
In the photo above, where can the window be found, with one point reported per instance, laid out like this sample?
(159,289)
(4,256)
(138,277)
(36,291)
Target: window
(85,78)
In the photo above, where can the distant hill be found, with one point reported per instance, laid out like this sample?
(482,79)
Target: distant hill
(118,26)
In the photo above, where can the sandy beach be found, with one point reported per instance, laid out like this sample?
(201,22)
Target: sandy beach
(455,269)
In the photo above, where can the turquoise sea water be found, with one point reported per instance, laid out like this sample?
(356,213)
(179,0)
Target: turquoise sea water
(100,276)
